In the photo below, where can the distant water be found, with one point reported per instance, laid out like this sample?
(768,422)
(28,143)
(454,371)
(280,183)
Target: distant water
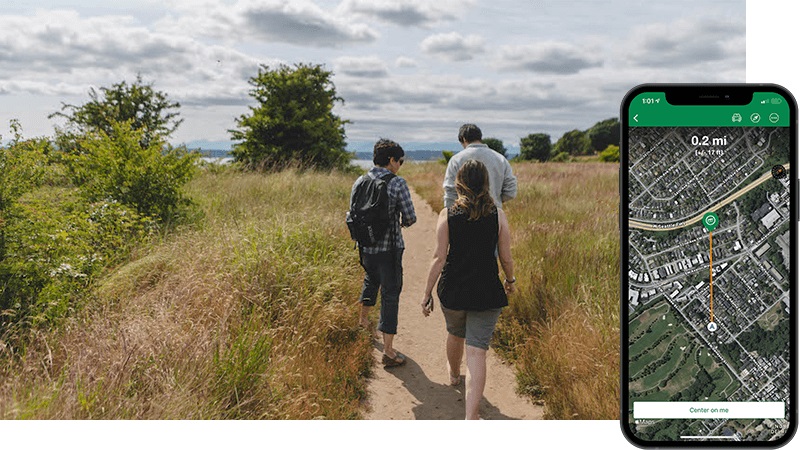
(220,161)
(363,163)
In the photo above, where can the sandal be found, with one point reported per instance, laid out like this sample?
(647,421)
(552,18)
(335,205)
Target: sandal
(455,380)
(398,360)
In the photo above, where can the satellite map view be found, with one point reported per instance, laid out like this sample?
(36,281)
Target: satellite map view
(708,283)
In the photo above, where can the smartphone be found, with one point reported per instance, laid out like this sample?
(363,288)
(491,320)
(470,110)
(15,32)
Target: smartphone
(708,215)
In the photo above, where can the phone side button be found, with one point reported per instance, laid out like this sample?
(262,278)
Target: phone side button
(795,199)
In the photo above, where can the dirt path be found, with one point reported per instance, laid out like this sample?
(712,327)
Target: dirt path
(420,389)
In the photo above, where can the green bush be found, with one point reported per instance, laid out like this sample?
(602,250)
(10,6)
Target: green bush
(56,244)
(447,155)
(148,179)
(22,166)
(610,154)
(561,157)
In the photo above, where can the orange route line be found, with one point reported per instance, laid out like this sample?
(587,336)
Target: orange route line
(711,270)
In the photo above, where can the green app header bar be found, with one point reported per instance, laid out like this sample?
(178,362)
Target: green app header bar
(650,109)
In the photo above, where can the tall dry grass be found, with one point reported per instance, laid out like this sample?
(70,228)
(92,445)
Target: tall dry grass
(561,328)
(251,314)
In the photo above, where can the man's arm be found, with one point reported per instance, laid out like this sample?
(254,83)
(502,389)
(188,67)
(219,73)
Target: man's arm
(404,204)
(449,184)
(509,184)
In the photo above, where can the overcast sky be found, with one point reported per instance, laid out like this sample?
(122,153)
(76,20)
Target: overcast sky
(410,70)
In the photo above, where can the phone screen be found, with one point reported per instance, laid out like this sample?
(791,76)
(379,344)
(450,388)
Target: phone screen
(708,214)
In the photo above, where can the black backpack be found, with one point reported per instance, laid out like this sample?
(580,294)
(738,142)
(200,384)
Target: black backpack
(368,218)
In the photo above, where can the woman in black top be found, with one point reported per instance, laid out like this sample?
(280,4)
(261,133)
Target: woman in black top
(470,235)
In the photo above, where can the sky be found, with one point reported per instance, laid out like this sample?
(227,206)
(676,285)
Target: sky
(408,70)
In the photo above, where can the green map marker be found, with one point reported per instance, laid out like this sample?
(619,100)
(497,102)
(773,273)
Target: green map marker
(710,221)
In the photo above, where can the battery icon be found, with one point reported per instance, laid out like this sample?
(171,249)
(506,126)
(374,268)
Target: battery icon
(776,101)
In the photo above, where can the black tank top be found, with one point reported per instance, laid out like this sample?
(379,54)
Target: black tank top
(470,278)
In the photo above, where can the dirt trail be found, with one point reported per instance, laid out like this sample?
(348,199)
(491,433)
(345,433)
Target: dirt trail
(420,389)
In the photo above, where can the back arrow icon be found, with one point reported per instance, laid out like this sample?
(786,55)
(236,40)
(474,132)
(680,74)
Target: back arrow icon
(636,118)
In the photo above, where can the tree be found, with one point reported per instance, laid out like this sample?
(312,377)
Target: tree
(604,133)
(495,144)
(610,154)
(573,142)
(138,104)
(535,146)
(293,121)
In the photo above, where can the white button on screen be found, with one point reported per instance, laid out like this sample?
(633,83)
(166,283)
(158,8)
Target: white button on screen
(709,410)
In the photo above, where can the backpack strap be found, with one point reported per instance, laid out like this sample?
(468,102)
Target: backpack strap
(393,220)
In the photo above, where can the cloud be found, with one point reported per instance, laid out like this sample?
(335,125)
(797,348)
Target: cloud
(447,93)
(687,43)
(61,53)
(419,13)
(301,22)
(453,46)
(405,62)
(548,57)
(297,22)
(362,67)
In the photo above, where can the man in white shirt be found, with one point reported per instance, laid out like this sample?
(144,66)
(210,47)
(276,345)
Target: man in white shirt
(502,182)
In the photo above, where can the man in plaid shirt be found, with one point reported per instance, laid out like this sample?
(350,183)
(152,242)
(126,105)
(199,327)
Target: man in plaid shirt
(383,263)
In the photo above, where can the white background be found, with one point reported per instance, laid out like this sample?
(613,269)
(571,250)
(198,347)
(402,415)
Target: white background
(772,37)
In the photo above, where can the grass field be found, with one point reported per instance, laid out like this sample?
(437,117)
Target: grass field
(561,329)
(249,314)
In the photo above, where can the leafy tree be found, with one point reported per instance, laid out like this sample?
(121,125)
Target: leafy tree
(603,134)
(149,179)
(535,146)
(610,154)
(138,103)
(573,142)
(495,144)
(293,121)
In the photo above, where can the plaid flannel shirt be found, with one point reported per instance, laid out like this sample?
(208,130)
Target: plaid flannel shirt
(400,206)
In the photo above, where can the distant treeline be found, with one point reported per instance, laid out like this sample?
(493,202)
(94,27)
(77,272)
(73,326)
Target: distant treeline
(602,138)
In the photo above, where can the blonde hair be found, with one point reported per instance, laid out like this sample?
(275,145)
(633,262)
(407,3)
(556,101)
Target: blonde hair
(472,187)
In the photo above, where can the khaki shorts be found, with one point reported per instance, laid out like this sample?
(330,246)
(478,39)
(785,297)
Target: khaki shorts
(474,326)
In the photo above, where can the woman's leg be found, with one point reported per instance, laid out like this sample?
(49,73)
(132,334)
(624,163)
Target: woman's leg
(455,353)
(480,326)
(476,381)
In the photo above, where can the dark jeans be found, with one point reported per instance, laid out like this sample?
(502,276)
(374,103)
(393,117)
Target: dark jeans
(384,271)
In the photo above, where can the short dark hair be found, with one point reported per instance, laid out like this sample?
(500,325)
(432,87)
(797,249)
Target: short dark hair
(385,149)
(469,132)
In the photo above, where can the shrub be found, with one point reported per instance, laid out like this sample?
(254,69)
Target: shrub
(561,157)
(56,244)
(148,179)
(610,154)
